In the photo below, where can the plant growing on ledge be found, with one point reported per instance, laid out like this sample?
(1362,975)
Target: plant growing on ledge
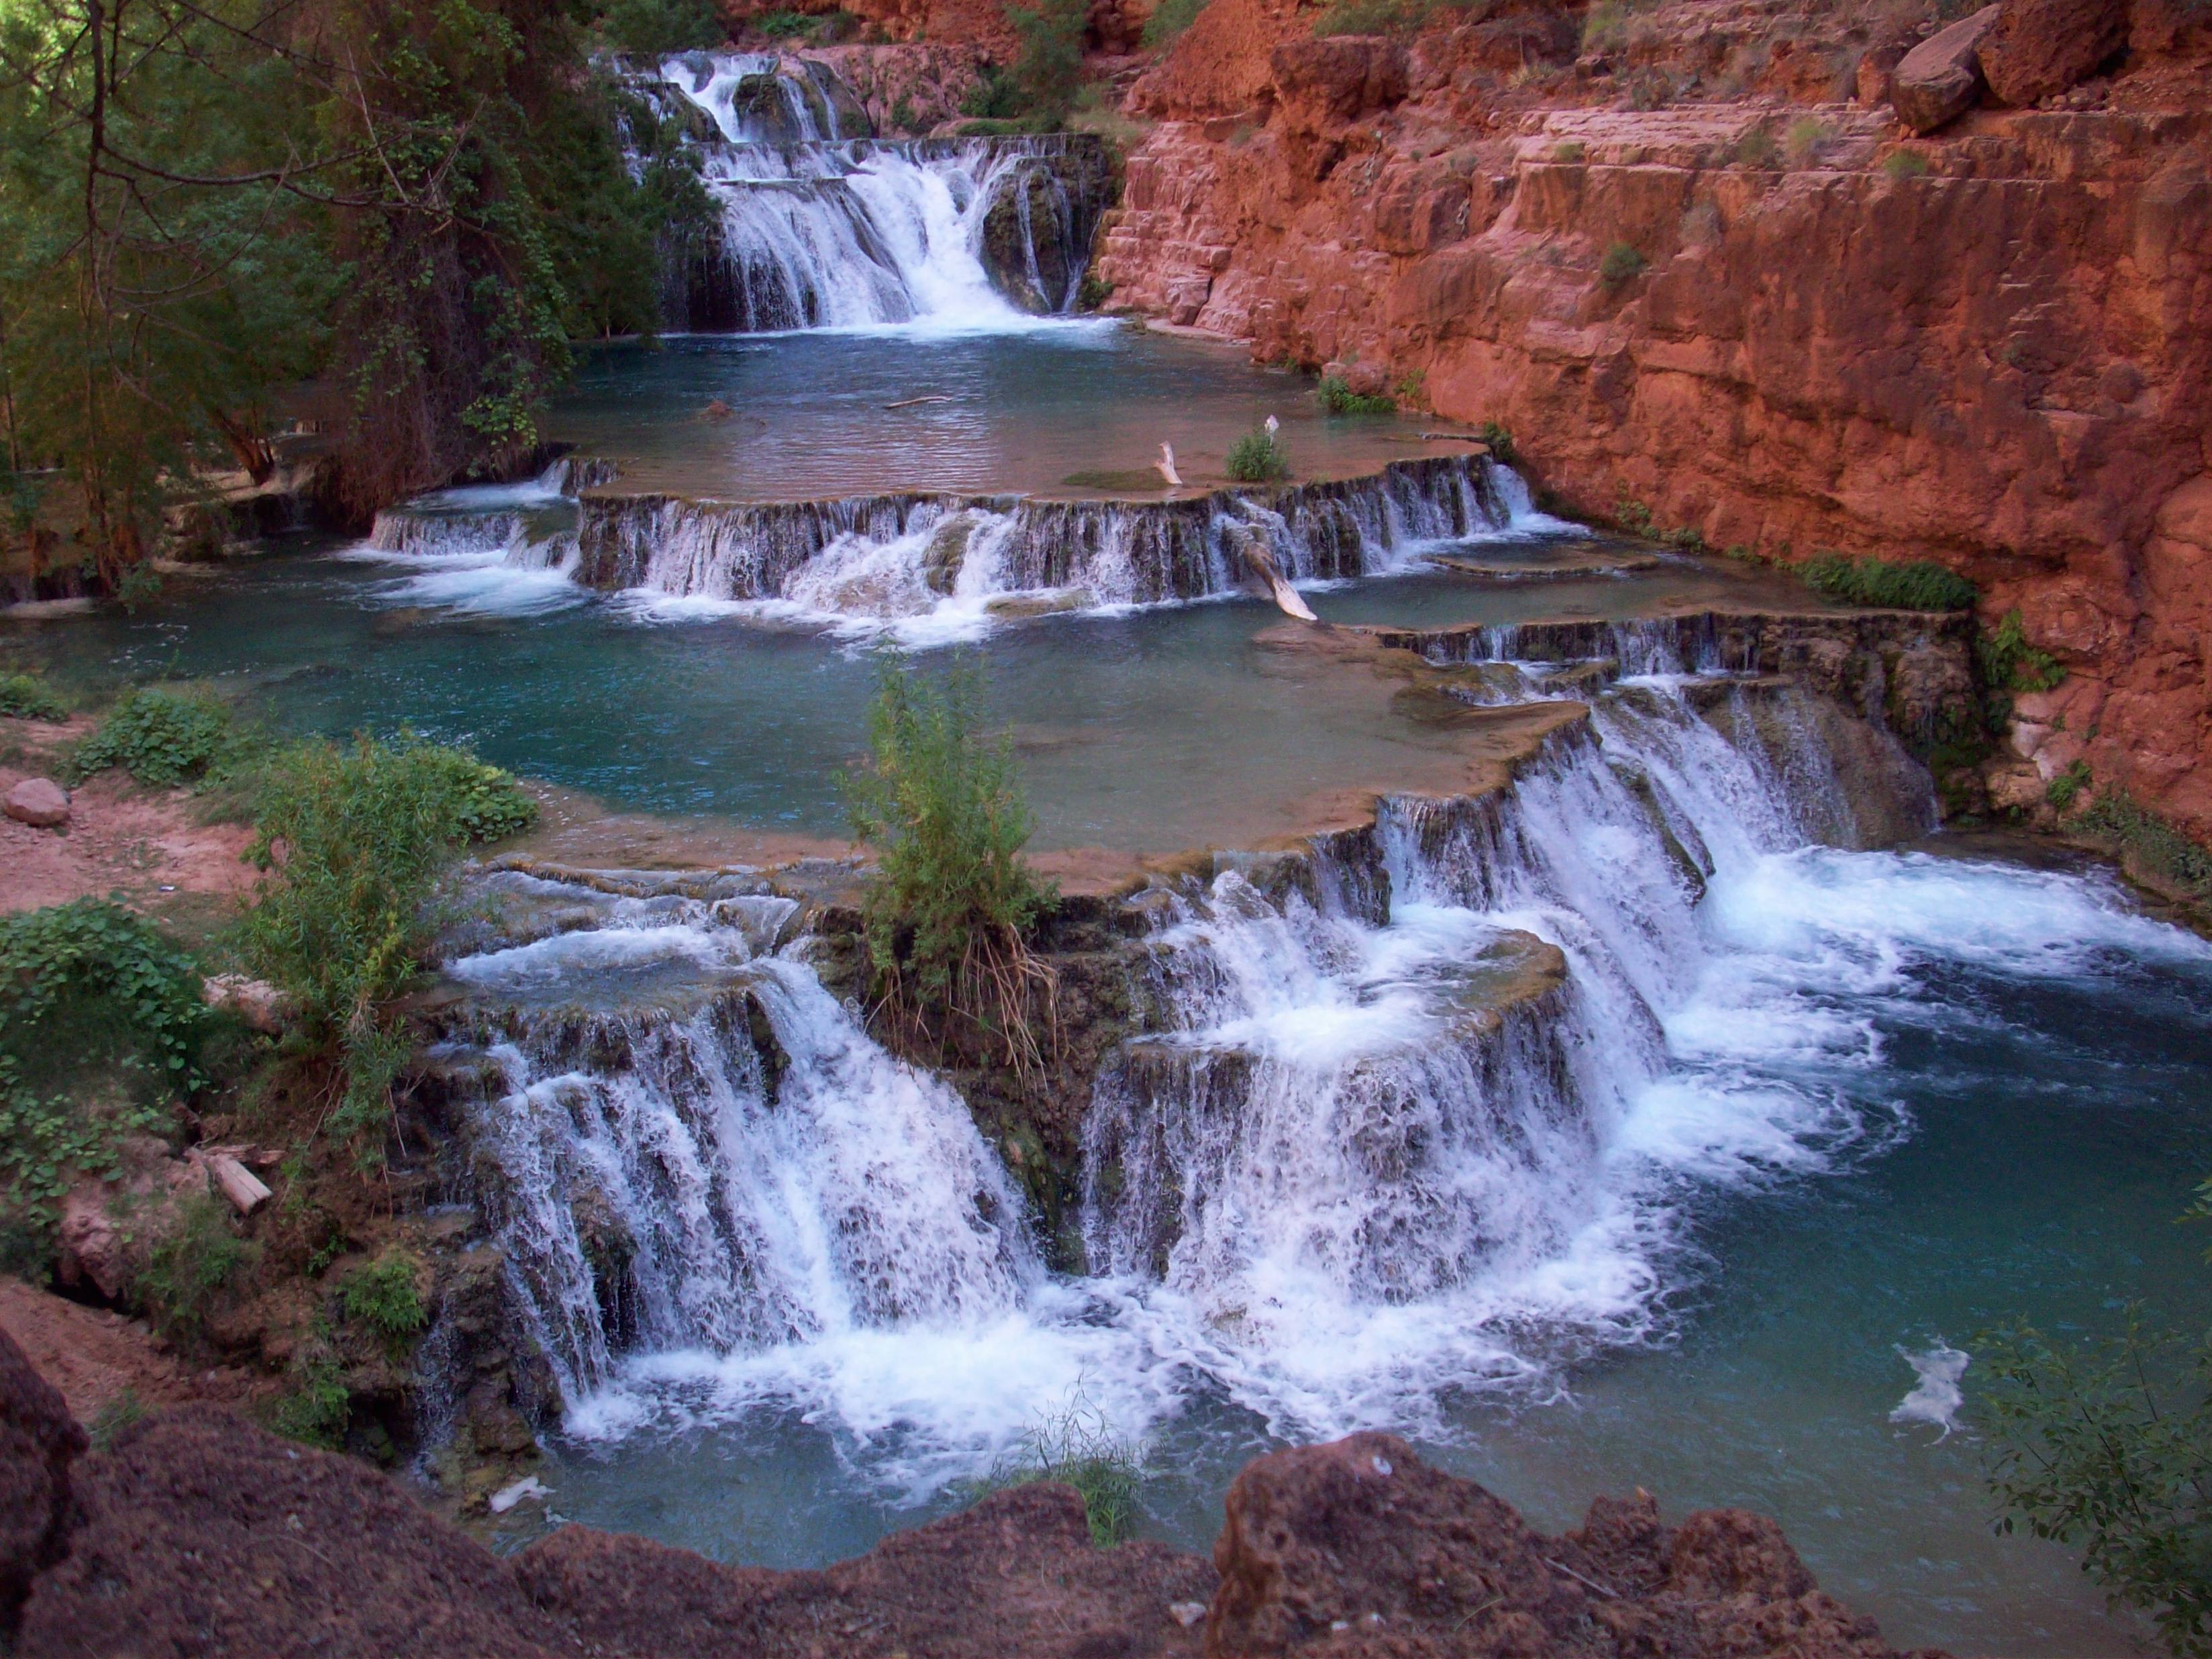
(1257,457)
(1919,586)
(1338,398)
(951,903)
(1622,263)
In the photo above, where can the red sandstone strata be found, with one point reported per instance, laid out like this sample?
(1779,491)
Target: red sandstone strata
(1992,348)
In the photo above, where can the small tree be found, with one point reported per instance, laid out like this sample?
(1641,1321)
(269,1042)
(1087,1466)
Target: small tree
(2107,1444)
(1048,71)
(950,902)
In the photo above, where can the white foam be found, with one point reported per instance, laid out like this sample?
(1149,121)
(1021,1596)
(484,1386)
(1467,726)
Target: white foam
(1935,1396)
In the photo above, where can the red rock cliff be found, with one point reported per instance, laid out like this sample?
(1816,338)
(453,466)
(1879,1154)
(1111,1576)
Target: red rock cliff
(1991,347)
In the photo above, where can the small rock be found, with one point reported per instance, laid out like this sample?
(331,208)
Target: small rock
(1187,1614)
(1939,80)
(39,802)
(263,1007)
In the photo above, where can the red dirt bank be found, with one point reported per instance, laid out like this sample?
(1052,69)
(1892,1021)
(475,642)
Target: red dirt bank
(1992,347)
(197,1533)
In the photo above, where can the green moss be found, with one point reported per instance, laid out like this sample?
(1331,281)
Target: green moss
(2155,846)
(1919,586)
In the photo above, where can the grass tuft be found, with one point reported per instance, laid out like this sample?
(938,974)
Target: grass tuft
(1919,586)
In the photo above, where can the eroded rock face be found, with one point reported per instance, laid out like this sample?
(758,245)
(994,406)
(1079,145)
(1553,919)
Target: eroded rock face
(1995,352)
(1360,1551)
(2038,47)
(39,1441)
(1940,79)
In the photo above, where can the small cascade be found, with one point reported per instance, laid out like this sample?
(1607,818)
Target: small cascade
(825,226)
(891,558)
(683,1142)
(1411,1117)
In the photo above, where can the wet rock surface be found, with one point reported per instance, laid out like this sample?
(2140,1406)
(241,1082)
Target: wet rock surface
(198,1532)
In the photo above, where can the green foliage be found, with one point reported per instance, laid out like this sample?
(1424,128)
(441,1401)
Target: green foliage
(2154,845)
(951,900)
(111,1419)
(1257,457)
(382,1296)
(1170,19)
(1904,164)
(2064,789)
(1605,26)
(1337,397)
(139,584)
(1092,292)
(162,738)
(1569,152)
(1076,1448)
(188,1266)
(1623,263)
(1919,586)
(1048,69)
(1804,141)
(1634,517)
(28,697)
(1757,148)
(2106,1445)
(318,1406)
(784,25)
(357,842)
(1500,443)
(1373,16)
(657,27)
(2009,663)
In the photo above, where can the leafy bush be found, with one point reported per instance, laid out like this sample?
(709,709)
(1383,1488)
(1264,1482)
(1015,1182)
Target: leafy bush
(188,1267)
(318,1406)
(951,901)
(2066,788)
(784,25)
(382,1296)
(1903,164)
(2159,849)
(28,697)
(656,28)
(1919,586)
(88,994)
(1500,443)
(2009,663)
(1257,457)
(1039,87)
(1077,1448)
(162,738)
(1634,517)
(1623,263)
(356,842)
(1170,19)
(2106,1445)
(1337,397)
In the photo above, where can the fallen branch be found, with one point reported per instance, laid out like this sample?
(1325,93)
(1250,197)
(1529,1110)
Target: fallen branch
(908,403)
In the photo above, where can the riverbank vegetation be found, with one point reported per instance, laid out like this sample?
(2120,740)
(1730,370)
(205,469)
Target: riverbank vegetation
(951,903)
(370,228)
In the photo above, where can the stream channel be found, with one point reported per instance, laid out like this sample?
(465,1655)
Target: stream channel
(1807,1104)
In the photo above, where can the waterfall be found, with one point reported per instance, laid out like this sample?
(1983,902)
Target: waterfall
(823,225)
(685,1142)
(939,563)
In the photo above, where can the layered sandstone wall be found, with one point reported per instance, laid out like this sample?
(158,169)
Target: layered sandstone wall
(1992,348)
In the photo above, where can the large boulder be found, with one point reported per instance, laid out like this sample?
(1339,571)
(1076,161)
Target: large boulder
(38,1440)
(2038,47)
(1940,79)
(39,802)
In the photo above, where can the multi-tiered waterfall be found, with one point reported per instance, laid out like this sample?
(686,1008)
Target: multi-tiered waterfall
(1413,1110)
(823,225)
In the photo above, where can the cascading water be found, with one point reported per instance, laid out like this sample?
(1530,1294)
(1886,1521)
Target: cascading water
(825,226)
(1417,1112)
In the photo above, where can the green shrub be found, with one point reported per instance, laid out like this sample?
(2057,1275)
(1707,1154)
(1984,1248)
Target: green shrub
(1500,442)
(657,27)
(1605,26)
(784,25)
(1623,263)
(382,1296)
(1257,457)
(2064,789)
(1804,141)
(100,1028)
(318,1406)
(1170,19)
(1373,16)
(356,842)
(1903,164)
(1047,72)
(28,697)
(1337,397)
(1076,1448)
(2009,663)
(162,738)
(2104,1445)
(1919,586)
(950,901)
(1634,517)
(1757,148)
(187,1267)
(2159,849)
